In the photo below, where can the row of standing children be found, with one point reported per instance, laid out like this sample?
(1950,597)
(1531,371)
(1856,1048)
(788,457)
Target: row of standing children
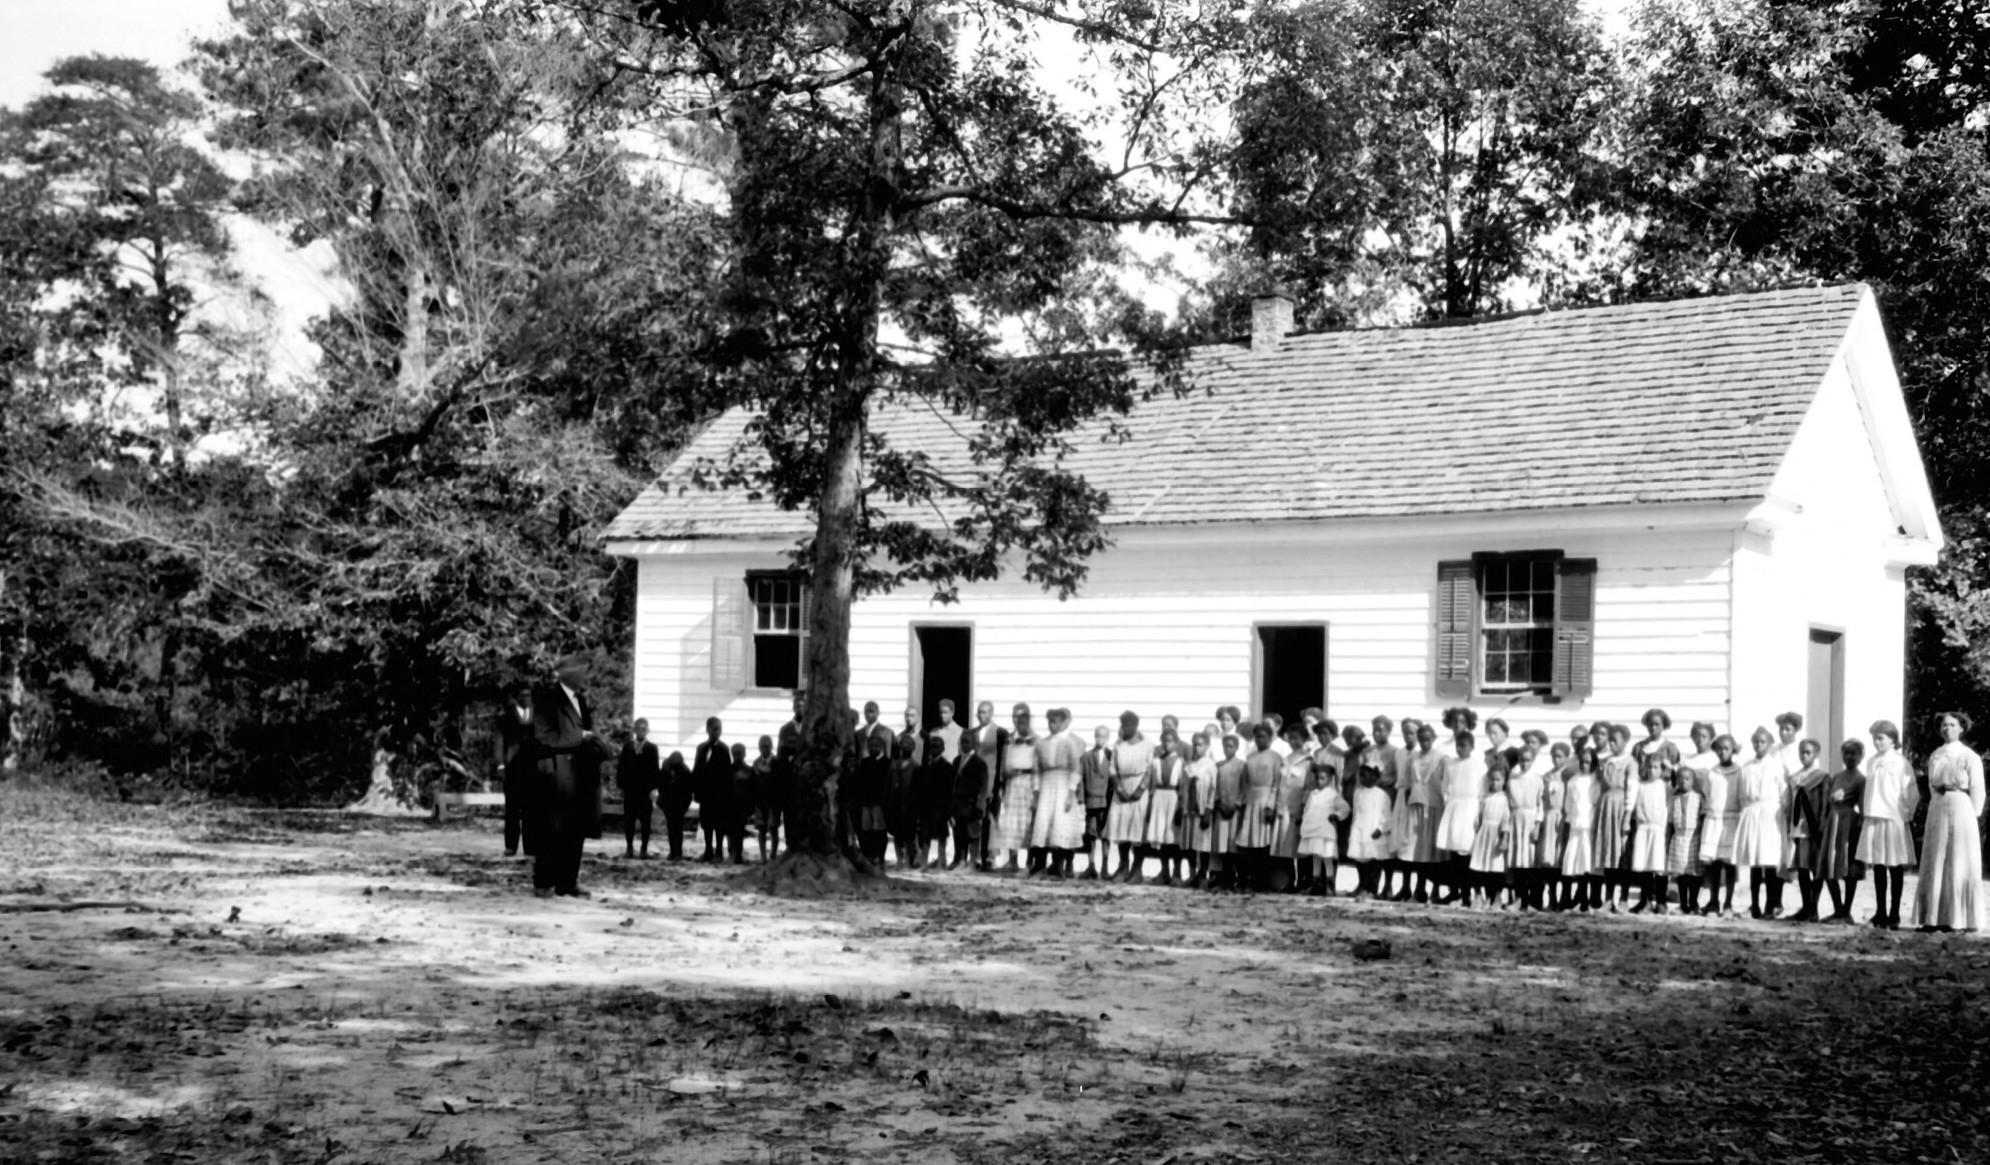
(1528,824)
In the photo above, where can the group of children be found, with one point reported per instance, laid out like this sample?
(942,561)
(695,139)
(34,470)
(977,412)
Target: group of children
(1597,821)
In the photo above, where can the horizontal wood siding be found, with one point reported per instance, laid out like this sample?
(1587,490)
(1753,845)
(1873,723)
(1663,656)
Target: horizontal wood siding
(1164,627)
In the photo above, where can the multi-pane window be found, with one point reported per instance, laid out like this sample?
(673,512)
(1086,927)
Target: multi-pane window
(1516,623)
(780,628)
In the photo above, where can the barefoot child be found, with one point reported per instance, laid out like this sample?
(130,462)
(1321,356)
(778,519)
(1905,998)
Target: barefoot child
(1096,774)
(1317,833)
(901,810)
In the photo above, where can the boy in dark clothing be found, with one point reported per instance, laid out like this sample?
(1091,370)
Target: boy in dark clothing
(636,772)
(711,772)
(901,809)
(868,793)
(739,803)
(768,799)
(674,789)
(936,802)
(968,807)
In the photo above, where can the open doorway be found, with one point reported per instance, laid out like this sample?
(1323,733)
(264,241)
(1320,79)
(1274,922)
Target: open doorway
(943,669)
(1824,708)
(1291,671)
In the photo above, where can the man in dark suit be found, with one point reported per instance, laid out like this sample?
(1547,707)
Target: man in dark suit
(567,796)
(637,771)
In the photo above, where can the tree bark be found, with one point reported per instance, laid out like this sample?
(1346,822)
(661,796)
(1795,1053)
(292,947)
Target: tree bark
(823,848)
(13,649)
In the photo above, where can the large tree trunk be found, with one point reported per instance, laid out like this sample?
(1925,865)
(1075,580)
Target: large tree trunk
(821,849)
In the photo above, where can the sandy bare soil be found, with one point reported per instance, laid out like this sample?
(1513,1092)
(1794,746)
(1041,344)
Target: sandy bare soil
(314,988)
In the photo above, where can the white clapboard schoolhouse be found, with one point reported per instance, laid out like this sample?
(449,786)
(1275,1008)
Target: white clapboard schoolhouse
(1703,505)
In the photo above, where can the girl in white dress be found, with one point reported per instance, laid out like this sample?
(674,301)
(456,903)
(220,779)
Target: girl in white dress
(1164,807)
(1949,895)
(1371,838)
(1526,788)
(1199,810)
(1263,770)
(1294,778)
(1758,844)
(1418,810)
(1492,836)
(1582,885)
(1057,828)
(1650,812)
(1223,857)
(1886,838)
(1464,782)
(1012,825)
(1720,810)
(1318,835)
(1554,795)
(1132,774)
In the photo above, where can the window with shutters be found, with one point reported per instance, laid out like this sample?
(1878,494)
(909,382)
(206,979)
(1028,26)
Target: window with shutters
(1516,624)
(780,628)
(1516,640)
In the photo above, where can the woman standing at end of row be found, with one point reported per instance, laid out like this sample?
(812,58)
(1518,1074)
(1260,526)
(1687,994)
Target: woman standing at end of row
(1949,895)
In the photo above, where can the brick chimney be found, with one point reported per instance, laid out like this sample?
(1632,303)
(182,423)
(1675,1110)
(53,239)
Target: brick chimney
(1271,320)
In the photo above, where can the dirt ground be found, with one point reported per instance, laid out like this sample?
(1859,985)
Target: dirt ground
(317,988)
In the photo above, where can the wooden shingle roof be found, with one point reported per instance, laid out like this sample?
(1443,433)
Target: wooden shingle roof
(1674,402)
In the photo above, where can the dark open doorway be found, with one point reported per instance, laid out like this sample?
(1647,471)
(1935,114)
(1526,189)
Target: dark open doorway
(1824,709)
(1291,673)
(943,668)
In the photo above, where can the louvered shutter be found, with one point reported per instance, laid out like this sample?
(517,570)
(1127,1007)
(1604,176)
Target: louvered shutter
(1457,604)
(807,614)
(732,634)
(1575,628)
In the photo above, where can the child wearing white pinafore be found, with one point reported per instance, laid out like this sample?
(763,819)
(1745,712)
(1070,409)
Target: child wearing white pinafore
(1371,837)
(1318,847)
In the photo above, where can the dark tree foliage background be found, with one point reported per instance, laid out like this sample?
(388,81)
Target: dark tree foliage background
(232,575)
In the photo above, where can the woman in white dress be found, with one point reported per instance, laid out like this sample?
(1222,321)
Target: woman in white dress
(1012,825)
(1949,895)
(1886,837)
(1057,825)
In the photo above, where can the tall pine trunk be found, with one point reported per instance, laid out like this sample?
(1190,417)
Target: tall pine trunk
(822,844)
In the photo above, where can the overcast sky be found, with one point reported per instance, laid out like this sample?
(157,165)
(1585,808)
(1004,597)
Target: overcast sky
(34,34)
